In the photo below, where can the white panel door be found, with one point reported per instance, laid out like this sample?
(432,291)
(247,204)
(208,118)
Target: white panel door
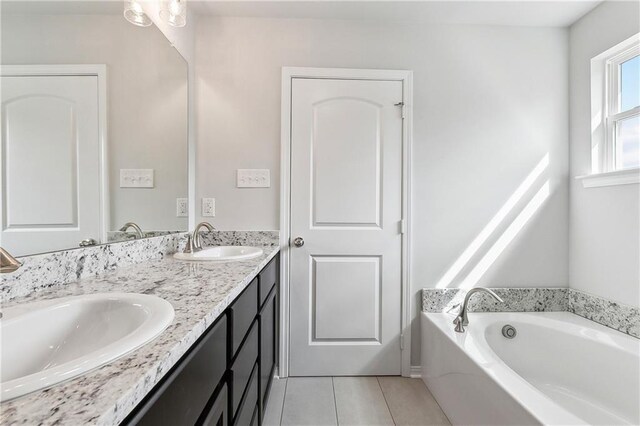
(50,162)
(346,204)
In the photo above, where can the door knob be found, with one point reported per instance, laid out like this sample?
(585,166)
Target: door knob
(298,242)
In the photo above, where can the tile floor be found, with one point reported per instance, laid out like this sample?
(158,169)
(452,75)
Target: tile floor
(367,401)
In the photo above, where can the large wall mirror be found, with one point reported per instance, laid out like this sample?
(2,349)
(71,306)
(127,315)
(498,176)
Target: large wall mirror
(94,127)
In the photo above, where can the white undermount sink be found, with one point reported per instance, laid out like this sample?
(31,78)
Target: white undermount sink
(48,342)
(221,254)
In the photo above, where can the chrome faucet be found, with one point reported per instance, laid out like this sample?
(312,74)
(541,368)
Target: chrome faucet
(195,243)
(462,320)
(136,228)
(8,263)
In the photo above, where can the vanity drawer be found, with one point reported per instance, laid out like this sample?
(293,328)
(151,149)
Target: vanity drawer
(218,414)
(182,396)
(241,315)
(241,370)
(268,278)
(247,414)
(267,344)
(256,416)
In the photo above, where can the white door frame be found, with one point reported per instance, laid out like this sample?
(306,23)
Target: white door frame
(100,71)
(406,77)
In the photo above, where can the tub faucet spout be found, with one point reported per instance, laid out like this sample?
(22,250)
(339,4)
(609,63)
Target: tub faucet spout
(462,320)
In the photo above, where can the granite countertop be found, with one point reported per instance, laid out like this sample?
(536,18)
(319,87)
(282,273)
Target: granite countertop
(199,293)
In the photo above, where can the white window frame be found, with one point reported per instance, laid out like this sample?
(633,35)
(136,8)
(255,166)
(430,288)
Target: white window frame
(611,153)
(605,98)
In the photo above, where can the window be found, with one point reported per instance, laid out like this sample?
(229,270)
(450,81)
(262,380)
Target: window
(623,110)
(615,112)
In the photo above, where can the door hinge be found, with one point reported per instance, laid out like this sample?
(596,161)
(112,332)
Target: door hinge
(403,108)
(402,226)
(402,341)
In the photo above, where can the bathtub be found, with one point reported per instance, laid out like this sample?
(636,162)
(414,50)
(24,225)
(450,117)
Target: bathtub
(559,369)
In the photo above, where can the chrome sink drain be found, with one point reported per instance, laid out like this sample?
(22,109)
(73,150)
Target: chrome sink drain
(509,331)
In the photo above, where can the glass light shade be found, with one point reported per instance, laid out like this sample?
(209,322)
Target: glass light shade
(134,13)
(174,12)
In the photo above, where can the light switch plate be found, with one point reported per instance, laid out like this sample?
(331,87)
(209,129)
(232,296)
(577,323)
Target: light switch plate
(208,207)
(182,207)
(253,178)
(136,178)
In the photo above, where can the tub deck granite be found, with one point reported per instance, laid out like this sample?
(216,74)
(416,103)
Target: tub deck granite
(199,293)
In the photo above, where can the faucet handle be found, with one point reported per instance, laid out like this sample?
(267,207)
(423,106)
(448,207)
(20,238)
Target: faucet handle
(459,325)
(188,247)
(451,308)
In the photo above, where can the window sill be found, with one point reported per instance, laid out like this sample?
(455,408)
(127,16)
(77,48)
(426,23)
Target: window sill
(619,177)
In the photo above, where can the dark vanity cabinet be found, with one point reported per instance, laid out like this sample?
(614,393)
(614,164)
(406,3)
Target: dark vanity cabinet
(268,318)
(224,379)
(217,414)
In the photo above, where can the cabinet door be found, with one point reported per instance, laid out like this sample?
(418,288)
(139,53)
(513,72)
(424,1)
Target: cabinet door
(217,414)
(268,343)
(183,394)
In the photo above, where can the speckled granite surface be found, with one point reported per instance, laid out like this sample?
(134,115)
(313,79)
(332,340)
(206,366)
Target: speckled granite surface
(115,236)
(515,300)
(52,269)
(199,293)
(614,315)
(209,238)
(240,238)
(623,318)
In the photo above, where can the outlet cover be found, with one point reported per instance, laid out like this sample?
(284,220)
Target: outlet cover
(182,207)
(208,207)
(136,178)
(253,178)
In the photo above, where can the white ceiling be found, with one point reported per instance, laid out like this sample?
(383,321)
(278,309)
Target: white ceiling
(525,13)
(57,7)
(507,12)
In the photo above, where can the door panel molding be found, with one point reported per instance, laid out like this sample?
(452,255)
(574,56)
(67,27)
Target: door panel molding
(407,314)
(363,215)
(364,325)
(24,160)
(100,72)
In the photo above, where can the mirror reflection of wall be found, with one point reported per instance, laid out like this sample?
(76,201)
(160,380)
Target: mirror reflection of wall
(60,187)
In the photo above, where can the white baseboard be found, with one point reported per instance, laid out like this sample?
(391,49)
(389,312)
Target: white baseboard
(416,371)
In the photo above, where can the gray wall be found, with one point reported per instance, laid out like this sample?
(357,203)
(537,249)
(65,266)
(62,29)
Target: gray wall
(490,103)
(147,102)
(605,221)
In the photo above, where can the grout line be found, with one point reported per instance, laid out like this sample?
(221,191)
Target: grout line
(436,401)
(385,400)
(335,403)
(284,397)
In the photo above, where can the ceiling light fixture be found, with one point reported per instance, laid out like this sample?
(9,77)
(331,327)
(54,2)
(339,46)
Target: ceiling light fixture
(174,12)
(134,13)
